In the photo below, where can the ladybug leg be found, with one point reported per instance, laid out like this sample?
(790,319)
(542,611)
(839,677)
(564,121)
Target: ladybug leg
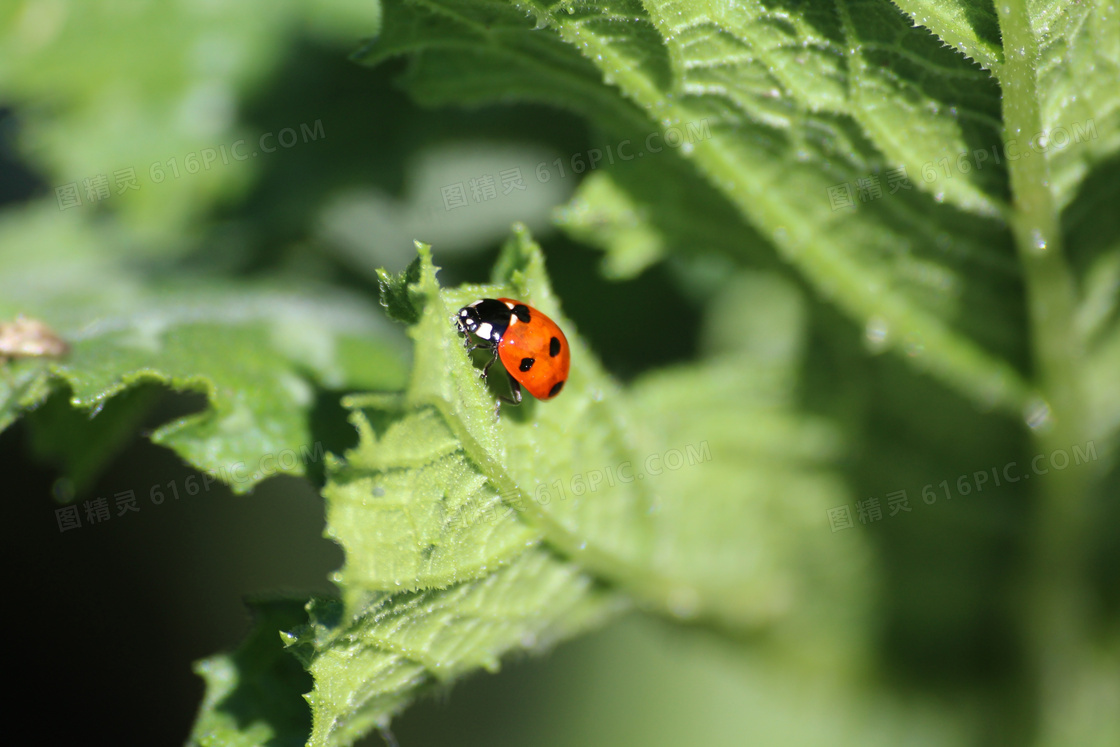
(484,345)
(486,368)
(514,390)
(467,342)
(467,337)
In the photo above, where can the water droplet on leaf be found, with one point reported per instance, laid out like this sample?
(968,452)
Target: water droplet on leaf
(1037,414)
(1038,241)
(877,334)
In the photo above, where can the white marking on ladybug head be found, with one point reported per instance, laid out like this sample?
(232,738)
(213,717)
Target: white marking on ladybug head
(484,330)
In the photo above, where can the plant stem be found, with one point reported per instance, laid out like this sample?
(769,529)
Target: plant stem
(1056,597)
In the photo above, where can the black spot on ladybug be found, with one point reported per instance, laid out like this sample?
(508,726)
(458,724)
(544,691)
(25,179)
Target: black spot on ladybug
(521,311)
(555,388)
(527,363)
(553,347)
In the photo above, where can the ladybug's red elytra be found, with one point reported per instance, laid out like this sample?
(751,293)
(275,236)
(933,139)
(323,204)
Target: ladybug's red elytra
(531,346)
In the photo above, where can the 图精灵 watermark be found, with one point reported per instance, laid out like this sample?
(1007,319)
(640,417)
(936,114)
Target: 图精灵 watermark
(870,510)
(870,187)
(486,187)
(100,509)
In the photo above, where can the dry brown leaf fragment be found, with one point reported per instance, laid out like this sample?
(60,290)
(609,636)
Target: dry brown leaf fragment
(29,338)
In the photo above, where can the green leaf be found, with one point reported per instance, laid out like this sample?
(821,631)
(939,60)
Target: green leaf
(1078,58)
(919,104)
(410,509)
(972,28)
(468,536)
(645,210)
(1078,61)
(440,576)
(501,56)
(257,350)
(253,695)
(369,665)
(789,119)
(394,293)
(23,384)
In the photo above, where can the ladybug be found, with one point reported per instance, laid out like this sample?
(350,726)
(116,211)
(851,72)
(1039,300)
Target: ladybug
(531,346)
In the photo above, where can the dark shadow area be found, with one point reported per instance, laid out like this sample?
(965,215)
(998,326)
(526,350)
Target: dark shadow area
(931,493)
(330,426)
(984,20)
(156,570)
(18,183)
(79,444)
(93,602)
(1092,220)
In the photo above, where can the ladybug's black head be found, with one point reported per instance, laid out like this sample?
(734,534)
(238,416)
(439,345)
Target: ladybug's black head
(487,318)
(468,319)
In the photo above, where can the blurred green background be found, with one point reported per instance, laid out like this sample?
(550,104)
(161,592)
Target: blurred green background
(107,620)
